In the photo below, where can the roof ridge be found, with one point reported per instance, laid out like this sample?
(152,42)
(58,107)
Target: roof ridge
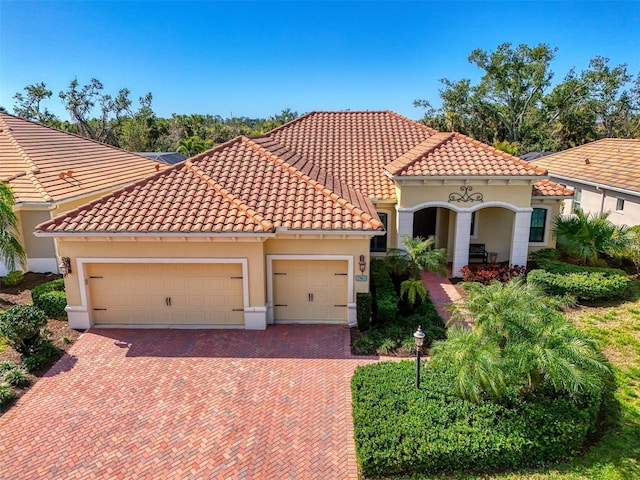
(438,139)
(32,167)
(266,224)
(505,155)
(413,122)
(314,183)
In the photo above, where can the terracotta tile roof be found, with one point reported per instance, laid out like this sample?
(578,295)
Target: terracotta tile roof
(611,161)
(236,187)
(548,188)
(42,164)
(453,154)
(353,146)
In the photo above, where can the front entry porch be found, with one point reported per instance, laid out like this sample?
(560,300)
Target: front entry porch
(503,228)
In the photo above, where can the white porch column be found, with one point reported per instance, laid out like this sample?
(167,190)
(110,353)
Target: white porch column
(461,249)
(404,225)
(520,239)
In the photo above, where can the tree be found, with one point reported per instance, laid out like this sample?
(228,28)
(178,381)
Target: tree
(590,237)
(194,145)
(408,263)
(520,342)
(11,251)
(29,105)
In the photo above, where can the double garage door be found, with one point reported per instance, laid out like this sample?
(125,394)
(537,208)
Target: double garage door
(166,294)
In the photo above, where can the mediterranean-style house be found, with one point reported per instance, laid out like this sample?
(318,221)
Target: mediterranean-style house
(603,175)
(51,172)
(281,227)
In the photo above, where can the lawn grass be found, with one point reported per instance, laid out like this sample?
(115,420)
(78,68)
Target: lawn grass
(616,328)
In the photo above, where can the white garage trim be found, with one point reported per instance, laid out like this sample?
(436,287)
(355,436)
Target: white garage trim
(351,306)
(80,317)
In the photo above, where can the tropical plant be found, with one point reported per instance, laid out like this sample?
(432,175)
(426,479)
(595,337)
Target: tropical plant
(24,327)
(418,255)
(11,251)
(194,145)
(520,341)
(589,237)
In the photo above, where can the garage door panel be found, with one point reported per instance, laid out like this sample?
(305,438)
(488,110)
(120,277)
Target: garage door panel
(309,290)
(166,294)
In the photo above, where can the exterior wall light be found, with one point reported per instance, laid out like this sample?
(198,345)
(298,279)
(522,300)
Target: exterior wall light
(65,266)
(363,264)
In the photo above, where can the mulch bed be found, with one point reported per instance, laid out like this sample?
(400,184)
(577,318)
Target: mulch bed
(61,335)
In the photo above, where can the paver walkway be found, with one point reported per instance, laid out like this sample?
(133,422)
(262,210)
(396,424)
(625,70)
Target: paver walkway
(442,292)
(189,404)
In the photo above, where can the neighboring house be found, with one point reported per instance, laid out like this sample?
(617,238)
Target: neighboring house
(605,176)
(51,172)
(170,158)
(280,227)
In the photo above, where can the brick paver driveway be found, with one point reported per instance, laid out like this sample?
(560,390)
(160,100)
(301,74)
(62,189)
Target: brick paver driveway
(189,404)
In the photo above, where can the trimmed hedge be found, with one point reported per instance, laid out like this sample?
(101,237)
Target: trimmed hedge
(581,282)
(385,298)
(51,298)
(364,309)
(402,430)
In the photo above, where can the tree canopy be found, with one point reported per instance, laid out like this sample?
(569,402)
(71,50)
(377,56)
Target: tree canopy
(515,101)
(117,120)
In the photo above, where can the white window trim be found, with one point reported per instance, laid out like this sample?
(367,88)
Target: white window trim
(618,200)
(547,226)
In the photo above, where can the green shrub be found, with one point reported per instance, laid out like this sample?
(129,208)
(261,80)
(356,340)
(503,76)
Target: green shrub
(585,285)
(7,365)
(400,429)
(563,268)
(385,298)
(7,393)
(364,309)
(543,256)
(13,278)
(41,357)
(24,328)
(16,377)
(50,298)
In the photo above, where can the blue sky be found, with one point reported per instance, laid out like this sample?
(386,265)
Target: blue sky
(256,58)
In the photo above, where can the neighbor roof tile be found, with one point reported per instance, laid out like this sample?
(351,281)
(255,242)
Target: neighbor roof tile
(611,161)
(42,164)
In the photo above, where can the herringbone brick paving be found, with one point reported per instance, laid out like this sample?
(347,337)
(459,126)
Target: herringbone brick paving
(189,404)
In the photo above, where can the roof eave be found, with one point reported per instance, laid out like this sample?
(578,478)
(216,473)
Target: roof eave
(600,186)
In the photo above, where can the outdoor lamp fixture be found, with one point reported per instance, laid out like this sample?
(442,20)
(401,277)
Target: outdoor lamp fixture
(65,266)
(363,264)
(419,337)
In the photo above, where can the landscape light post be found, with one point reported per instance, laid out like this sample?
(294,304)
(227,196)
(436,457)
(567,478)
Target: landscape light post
(419,337)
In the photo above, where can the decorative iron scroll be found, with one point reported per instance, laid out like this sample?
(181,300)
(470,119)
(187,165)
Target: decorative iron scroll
(465,196)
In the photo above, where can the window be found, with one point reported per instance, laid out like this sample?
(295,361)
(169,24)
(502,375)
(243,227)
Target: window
(577,198)
(379,243)
(538,223)
(620,205)
(473,225)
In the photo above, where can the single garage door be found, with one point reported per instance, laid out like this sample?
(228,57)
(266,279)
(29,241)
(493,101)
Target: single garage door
(166,294)
(310,290)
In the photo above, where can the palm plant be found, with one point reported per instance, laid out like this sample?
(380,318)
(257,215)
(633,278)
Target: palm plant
(419,254)
(588,237)
(11,251)
(520,341)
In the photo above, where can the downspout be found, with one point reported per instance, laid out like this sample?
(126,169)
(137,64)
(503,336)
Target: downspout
(602,198)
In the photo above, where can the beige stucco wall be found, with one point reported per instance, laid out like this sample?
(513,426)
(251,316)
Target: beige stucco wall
(494,227)
(36,247)
(597,201)
(252,251)
(410,196)
(325,246)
